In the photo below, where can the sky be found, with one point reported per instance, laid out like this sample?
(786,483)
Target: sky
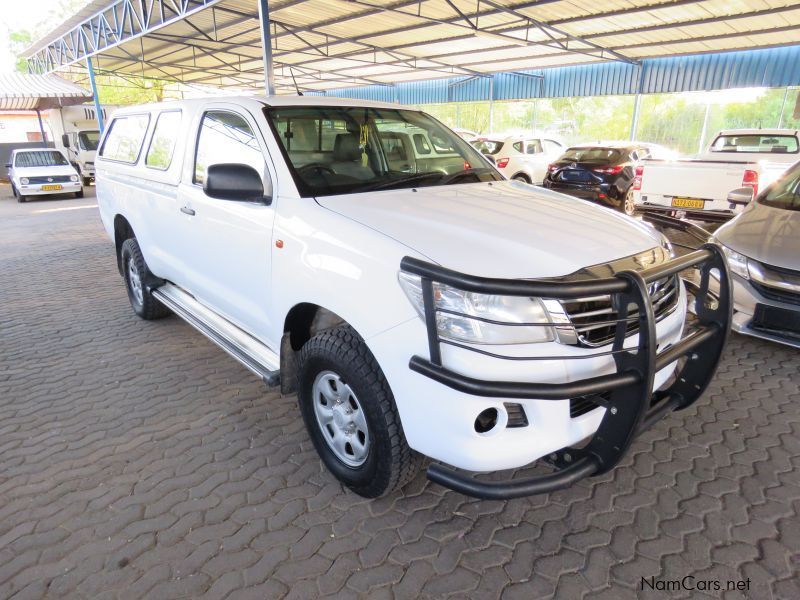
(32,15)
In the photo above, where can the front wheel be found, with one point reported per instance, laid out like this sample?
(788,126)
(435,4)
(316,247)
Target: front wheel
(629,205)
(17,195)
(350,413)
(79,194)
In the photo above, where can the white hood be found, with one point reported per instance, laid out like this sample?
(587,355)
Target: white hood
(507,229)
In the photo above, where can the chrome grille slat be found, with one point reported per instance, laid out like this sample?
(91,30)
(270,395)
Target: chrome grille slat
(595,320)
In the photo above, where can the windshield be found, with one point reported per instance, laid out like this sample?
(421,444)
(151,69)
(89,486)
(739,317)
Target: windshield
(759,144)
(52,158)
(598,156)
(785,192)
(344,150)
(488,146)
(89,140)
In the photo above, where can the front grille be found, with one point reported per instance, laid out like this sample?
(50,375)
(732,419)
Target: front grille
(594,318)
(776,294)
(516,415)
(584,404)
(49,179)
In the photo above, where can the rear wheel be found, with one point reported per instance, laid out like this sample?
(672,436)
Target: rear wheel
(350,414)
(138,281)
(521,177)
(628,204)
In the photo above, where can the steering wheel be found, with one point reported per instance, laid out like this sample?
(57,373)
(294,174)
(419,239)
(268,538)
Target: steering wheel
(317,167)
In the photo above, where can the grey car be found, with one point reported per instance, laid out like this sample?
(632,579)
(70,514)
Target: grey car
(762,245)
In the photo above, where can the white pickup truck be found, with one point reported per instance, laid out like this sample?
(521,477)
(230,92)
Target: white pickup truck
(433,309)
(699,186)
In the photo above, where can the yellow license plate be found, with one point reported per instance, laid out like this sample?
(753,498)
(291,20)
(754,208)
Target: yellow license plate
(51,188)
(688,203)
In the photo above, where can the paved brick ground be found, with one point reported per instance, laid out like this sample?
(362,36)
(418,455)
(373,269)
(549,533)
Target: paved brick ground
(137,460)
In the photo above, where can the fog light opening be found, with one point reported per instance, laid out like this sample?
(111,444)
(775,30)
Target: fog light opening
(486,420)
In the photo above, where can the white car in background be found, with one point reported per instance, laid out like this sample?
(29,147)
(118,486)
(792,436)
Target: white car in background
(465,134)
(521,156)
(40,172)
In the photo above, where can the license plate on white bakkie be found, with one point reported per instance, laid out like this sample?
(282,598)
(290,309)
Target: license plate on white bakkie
(51,188)
(688,203)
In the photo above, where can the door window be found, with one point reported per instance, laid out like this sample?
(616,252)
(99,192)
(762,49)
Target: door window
(225,137)
(125,136)
(165,134)
(533,146)
(552,147)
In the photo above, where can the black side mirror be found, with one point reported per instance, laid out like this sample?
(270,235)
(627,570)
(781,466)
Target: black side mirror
(741,196)
(8,165)
(231,181)
(65,140)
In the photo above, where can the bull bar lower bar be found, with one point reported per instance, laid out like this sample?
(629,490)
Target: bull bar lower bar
(630,402)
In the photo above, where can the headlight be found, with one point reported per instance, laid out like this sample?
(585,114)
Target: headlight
(490,314)
(737,262)
(667,245)
(73,178)
(24,180)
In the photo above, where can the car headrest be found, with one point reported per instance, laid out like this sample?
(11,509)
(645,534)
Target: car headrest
(345,148)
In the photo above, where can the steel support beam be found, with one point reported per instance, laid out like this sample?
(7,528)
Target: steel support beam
(266,44)
(41,127)
(93,84)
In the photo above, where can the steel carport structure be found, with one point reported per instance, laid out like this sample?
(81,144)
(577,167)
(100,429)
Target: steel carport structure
(323,45)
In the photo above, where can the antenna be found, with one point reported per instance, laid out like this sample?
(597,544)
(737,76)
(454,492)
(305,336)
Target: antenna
(296,89)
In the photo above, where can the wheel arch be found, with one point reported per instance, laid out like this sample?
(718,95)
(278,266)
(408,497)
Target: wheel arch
(303,321)
(122,232)
(522,174)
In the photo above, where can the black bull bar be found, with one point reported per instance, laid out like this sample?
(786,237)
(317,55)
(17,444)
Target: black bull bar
(630,403)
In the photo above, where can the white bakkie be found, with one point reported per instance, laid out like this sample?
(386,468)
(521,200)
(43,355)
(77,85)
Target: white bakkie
(699,186)
(430,308)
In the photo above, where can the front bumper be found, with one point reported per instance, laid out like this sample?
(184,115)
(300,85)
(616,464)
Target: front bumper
(747,298)
(627,394)
(35,189)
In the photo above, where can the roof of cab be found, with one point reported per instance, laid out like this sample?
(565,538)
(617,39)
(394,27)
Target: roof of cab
(758,132)
(271,101)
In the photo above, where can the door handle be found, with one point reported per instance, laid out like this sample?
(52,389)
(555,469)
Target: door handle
(187,211)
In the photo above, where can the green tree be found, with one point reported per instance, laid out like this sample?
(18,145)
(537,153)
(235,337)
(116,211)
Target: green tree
(17,42)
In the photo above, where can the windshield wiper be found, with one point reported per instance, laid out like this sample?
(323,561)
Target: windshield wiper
(384,185)
(459,174)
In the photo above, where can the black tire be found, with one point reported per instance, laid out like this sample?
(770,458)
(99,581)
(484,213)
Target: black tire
(146,306)
(17,195)
(79,194)
(521,177)
(389,463)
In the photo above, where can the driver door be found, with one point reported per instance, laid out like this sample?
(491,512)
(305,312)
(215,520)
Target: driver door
(227,249)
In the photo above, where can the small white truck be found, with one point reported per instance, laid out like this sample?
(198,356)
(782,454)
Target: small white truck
(76,133)
(698,187)
(416,309)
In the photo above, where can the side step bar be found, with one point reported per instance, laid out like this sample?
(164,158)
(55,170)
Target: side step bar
(251,353)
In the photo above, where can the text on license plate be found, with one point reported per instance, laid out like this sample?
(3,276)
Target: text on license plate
(50,188)
(688,202)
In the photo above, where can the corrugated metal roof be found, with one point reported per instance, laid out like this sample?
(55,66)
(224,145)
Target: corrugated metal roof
(773,67)
(329,44)
(19,91)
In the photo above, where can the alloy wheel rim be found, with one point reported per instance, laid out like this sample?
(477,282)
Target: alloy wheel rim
(341,419)
(135,281)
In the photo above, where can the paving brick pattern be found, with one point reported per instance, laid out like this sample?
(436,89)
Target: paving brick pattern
(138,460)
